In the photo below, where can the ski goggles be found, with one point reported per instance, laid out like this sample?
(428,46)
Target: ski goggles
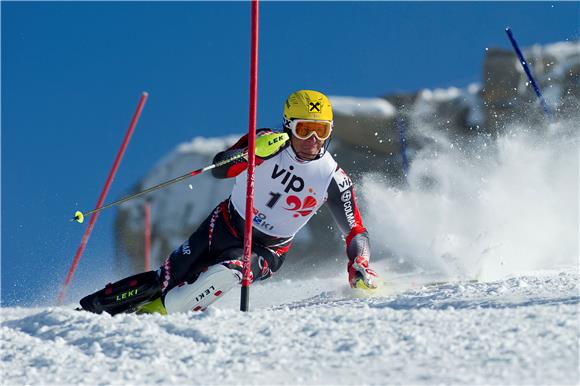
(305,128)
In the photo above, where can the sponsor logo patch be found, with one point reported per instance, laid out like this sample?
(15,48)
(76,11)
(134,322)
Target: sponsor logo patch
(346,196)
(301,208)
(342,180)
(260,220)
(349,213)
(314,107)
(204,293)
(126,295)
(185,248)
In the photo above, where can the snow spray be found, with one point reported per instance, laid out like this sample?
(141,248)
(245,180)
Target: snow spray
(497,207)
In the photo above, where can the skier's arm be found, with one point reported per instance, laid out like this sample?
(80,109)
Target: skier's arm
(268,144)
(342,203)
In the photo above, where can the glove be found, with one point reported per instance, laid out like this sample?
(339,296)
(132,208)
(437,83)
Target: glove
(360,275)
(269,144)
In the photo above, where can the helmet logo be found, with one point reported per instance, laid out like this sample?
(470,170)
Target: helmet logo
(314,107)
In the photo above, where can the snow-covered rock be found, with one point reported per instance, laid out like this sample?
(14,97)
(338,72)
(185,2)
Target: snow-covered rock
(508,95)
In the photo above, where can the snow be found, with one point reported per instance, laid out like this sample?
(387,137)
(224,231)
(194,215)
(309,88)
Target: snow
(207,146)
(486,210)
(563,56)
(440,95)
(370,107)
(428,103)
(553,63)
(521,330)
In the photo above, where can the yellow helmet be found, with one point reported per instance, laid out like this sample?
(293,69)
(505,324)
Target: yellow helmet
(307,104)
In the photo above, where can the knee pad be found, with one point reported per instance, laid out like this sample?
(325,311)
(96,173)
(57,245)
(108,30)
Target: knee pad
(206,289)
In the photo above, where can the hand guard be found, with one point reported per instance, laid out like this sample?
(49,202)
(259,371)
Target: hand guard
(269,144)
(360,275)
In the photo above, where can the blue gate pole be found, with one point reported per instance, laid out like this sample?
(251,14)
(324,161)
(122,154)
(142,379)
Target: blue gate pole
(403,140)
(524,64)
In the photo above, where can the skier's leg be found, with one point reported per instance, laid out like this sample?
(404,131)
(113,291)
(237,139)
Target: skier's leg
(217,279)
(213,278)
(192,272)
(129,294)
(216,241)
(209,286)
(193,256)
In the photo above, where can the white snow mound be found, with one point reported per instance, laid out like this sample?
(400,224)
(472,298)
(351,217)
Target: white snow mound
(521,330)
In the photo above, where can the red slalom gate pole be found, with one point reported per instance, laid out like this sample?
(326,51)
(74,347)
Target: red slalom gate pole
(102,197)
(247,260)
(147,256)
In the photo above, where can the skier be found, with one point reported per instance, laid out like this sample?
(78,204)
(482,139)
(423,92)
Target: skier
(294,176)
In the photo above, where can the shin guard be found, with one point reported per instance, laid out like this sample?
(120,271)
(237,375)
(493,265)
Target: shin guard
(206,289)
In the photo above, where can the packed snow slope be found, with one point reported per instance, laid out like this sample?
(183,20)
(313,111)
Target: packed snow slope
(502,211)
(521,330)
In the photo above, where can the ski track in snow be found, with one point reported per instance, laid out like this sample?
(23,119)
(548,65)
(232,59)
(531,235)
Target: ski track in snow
(520,330)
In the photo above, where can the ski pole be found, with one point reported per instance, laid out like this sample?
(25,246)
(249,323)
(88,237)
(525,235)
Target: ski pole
(524,64)
(80,216)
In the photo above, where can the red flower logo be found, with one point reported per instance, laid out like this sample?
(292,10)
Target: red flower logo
(301,208)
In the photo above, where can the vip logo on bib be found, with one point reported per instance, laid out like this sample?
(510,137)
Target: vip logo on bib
(290,180)
(299,207)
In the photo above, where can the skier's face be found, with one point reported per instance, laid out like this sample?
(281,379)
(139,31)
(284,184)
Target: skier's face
(307,149)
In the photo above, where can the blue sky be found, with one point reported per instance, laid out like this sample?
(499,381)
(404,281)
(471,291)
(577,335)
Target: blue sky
(72,74)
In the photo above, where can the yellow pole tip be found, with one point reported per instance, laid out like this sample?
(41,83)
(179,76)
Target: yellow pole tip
(79,217)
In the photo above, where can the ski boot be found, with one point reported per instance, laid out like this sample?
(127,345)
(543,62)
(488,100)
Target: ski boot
(153,307)
(126,295)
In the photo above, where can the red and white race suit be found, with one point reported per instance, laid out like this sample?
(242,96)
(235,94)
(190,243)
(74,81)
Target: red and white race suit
(287,192)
